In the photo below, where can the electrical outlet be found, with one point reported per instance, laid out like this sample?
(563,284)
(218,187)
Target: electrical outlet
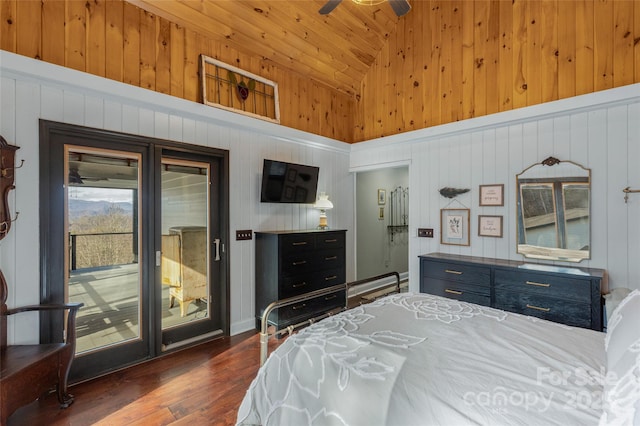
(244,234)
(425,232)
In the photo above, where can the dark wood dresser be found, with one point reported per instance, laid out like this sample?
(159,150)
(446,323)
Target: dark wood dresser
(568,295)
(296,262)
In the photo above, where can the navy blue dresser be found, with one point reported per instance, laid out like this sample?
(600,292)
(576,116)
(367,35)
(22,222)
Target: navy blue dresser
(568,295)
(290,263)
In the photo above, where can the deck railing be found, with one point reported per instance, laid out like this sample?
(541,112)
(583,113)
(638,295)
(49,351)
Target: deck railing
(92,250)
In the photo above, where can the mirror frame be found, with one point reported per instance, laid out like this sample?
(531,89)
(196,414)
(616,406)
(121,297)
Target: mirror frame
(550,253)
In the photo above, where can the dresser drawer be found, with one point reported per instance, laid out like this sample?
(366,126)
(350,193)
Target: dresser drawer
(470,274)
(329,240)
(458,291)
(298,263)
(301,311)
(330,259)
(543,285)
(552,309)
(304,283)
(296,243)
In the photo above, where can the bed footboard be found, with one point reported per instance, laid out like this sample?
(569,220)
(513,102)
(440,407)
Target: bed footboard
(264,334)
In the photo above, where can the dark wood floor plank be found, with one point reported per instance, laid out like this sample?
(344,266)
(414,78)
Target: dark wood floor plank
(200,385)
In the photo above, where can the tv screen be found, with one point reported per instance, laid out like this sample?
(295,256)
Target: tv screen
(288,183)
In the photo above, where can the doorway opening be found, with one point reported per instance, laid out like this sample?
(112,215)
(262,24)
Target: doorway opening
(382,222)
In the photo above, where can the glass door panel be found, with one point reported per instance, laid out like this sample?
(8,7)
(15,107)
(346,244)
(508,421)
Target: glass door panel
(103,245)
(185,242)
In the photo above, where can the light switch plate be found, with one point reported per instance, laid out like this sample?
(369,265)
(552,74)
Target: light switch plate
(244,234)
(425,232)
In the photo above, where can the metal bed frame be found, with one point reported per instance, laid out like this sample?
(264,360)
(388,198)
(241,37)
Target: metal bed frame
(264,334)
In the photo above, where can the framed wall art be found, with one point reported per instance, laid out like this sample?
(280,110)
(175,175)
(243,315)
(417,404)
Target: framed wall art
(454,227)
(492,195)
(382,197)
(490,226)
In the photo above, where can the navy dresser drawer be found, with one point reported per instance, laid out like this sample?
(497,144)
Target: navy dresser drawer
(552,309)
(456,272)
(543,285)
(295,243)
(462,292)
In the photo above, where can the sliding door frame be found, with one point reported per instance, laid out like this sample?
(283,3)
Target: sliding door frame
(51,197)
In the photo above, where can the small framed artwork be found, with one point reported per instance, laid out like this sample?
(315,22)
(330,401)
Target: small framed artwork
(382,197)
(492,195)
(454,227)
(490,226)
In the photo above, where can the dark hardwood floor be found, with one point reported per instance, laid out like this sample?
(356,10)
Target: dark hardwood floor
(200,385)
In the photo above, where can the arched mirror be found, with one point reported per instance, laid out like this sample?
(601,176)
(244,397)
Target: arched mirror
(553,211)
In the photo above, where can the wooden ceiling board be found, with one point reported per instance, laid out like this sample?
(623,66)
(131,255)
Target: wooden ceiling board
(336,50)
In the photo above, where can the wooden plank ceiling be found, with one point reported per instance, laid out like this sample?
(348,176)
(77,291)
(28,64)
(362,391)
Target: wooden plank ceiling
(336,49)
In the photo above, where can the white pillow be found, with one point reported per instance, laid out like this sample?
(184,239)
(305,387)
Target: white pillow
(621,400)
(623,328)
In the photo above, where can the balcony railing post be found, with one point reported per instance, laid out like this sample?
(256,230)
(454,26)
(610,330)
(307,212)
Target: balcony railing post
(73,252)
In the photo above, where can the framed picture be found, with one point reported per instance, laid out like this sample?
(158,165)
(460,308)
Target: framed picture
(454,227)
(382,197)
(492,195)
(490,226)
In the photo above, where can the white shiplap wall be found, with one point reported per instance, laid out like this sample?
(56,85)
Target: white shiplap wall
(600,131)
(31,90)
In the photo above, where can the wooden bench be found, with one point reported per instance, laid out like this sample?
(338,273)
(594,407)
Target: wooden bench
(28,371)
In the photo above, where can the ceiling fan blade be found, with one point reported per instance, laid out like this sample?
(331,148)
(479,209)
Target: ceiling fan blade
(329,6)
(400,7)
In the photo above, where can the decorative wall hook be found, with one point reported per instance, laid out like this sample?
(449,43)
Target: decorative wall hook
(6,225)
(7,165)
(5,172)
(628,191)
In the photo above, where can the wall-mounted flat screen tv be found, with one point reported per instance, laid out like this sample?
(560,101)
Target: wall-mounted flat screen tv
(288,182)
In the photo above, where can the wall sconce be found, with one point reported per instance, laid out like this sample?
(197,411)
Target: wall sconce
(323,204)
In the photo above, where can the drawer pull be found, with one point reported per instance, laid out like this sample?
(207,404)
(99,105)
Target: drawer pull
(331,258)
(302,284)
(300,262)
(453,291)
(332,277)
(299,306)
(538,284)
(449,271)
(538,308)
(299,243)
(331,241)
(330,297)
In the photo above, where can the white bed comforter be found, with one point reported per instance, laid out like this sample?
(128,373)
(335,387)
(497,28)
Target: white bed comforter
(418,359)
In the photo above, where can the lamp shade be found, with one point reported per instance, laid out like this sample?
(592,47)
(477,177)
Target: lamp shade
(323,202)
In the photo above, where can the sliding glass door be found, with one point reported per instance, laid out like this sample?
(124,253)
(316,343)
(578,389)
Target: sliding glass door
(134,229)
(190,251)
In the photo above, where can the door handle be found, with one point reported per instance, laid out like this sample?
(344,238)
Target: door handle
(216,243)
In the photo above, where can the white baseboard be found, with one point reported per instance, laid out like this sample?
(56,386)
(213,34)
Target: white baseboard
(242,326)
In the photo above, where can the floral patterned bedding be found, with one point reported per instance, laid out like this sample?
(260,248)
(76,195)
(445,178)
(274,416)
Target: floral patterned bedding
(418,359)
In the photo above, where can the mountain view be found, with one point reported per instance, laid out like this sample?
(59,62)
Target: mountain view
(78,208)
(101,233)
